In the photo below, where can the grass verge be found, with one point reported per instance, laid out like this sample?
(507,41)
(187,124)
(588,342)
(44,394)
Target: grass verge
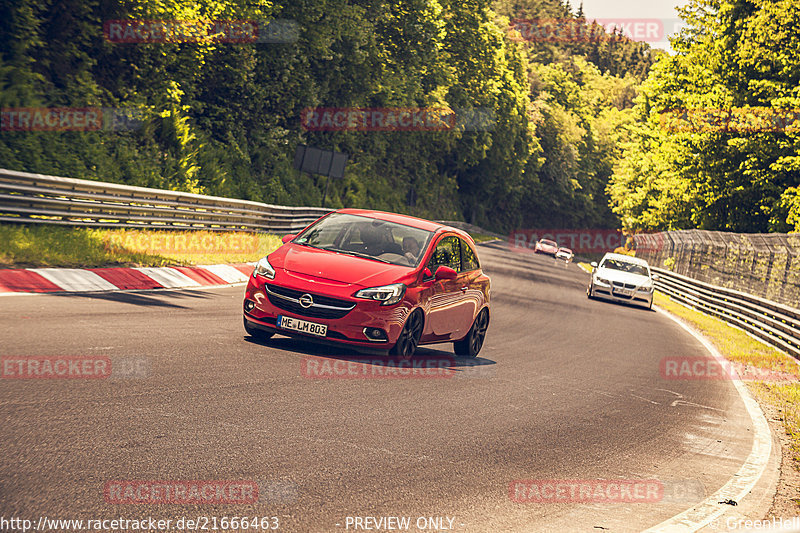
(738,347)
(56,246)
(481,237)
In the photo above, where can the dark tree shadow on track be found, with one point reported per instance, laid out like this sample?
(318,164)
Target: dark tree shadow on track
(140,298)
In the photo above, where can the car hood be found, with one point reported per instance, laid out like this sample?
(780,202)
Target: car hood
(624,277)
(337,267)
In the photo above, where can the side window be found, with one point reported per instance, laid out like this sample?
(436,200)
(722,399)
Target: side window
(468,258)
(447,253)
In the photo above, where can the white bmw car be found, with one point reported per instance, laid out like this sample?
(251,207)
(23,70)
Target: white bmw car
(622,278)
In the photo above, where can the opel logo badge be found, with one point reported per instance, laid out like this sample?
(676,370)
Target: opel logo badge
(306,301)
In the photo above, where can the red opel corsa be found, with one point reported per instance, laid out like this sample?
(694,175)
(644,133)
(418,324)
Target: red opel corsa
(375,280)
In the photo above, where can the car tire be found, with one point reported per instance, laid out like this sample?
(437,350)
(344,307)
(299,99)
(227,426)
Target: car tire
(471,345)
(408,340)
(256,333)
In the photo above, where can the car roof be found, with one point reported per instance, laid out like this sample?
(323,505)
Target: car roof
(626,258)
(407,220)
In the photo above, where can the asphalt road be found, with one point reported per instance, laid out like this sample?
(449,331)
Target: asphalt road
(566,389)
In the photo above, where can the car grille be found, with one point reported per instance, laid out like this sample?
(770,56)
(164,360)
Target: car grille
(323,306)
(625,285)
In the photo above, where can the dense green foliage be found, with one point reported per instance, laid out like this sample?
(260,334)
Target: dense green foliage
(224,118)
(740,55)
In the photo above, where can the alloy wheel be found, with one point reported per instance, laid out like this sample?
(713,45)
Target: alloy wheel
(409,337)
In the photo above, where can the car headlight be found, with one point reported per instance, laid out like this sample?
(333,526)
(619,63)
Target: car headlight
(646,288)
(263,268)
(386,295)
(602,281)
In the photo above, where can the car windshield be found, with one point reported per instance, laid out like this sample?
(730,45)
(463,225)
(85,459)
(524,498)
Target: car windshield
(366,237)
(549,243)
(625,266)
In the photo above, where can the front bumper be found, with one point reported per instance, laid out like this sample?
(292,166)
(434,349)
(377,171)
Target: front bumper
(348,319)
(638,297)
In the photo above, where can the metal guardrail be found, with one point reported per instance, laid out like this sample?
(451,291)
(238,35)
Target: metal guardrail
(40,199)
(764,264)
(776,324)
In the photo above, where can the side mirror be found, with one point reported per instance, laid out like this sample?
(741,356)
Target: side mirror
(287,238)
(593,264)
(656,277)
(445,272)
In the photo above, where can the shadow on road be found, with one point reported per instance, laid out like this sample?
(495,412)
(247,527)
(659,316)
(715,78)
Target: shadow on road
(425,357)
(630,305)
(146,299)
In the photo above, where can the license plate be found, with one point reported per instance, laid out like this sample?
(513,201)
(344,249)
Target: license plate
(302,326)
(624,292)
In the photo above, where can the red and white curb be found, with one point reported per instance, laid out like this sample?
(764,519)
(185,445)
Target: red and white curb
(38,280)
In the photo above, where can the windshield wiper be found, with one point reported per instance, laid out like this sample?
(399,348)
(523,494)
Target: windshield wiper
(358,254)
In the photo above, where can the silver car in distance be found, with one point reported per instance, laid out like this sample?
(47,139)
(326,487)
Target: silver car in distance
(622,278)
(565,254)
